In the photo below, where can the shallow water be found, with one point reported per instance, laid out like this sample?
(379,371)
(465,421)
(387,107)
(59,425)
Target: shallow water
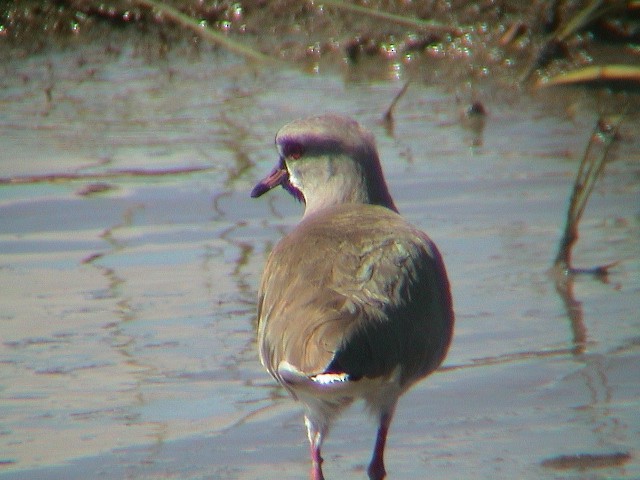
(127,315)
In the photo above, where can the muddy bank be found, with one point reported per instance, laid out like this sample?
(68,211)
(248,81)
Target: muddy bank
(508,43)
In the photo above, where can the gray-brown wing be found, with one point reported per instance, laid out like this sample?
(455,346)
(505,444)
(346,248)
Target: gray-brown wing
(359,291)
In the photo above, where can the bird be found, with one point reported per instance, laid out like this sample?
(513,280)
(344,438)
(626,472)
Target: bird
(354,303)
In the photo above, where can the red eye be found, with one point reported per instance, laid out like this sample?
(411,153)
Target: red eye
(294,150)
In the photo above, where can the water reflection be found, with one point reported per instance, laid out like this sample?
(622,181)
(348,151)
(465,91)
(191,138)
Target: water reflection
(565,287)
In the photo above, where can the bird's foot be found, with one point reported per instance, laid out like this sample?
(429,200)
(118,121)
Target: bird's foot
(316,471)
(376,469)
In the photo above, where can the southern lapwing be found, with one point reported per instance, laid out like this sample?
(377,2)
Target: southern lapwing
(354,303)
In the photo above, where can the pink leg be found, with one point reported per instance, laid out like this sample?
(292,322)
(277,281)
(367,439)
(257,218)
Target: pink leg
(376,469)
(315,442)
(316,463)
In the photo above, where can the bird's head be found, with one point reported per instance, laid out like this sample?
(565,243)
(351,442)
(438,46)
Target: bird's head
(326,161)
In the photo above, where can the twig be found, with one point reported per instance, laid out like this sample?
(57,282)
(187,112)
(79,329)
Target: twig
(582,19)
(61,177)
(205,32)
(593,10)
(595,73)
(388,115)
(427,25)
(591,167)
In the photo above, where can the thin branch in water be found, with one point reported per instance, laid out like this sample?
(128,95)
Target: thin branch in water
(132,172)
(388,115)
(592,11)
(204,31)
(426,25)
(606,74)
(591,166)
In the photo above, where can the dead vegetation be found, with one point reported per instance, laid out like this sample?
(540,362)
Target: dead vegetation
(529,42)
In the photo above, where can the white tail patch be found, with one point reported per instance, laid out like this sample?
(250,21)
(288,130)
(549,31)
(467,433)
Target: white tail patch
(329,378)
(327,383)
(330,389)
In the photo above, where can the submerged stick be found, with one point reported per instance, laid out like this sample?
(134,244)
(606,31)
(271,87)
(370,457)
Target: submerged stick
(593,10)
(594,73)
(580,20)
(591,167)
(388,115)
(426,25)
(205,32)
(67,177)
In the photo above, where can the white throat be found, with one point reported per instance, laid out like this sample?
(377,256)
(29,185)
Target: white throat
(329,181)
